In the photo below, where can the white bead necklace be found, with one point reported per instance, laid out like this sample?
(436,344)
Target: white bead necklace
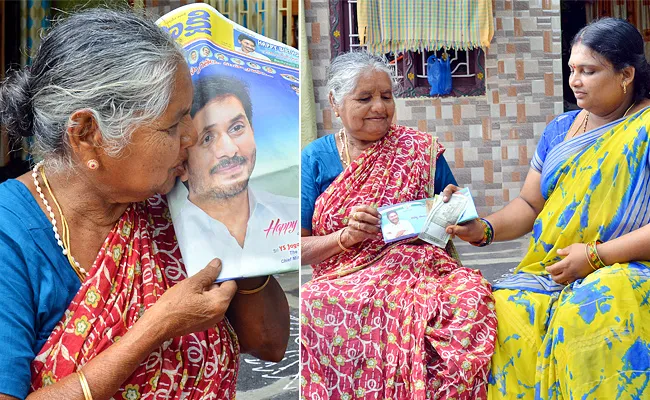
(80,271)
(344,145)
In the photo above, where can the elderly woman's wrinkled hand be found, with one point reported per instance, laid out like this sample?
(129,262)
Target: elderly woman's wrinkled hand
(364,223)
(574,266)
(195,304)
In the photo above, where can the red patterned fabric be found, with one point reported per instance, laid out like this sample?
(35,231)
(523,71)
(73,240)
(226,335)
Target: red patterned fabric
(398,321)
(139,260)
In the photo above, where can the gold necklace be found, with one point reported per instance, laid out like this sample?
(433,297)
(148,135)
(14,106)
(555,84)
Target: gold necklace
(586,120)
(344,145)
(63,239)
(583,124)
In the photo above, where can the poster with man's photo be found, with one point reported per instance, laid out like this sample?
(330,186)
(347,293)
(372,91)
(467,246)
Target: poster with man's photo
(238,199)
(403,220)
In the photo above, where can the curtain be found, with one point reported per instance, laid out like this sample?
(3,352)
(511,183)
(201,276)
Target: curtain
(34,19)
(400,26)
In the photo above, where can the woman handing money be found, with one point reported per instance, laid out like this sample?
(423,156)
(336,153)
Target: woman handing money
(444,213)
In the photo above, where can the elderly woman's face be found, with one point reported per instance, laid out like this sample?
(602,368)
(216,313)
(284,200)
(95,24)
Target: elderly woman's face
(368,111)
(157,152)
(596,85)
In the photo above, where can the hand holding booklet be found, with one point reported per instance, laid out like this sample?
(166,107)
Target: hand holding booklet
(427,219)
(238,199)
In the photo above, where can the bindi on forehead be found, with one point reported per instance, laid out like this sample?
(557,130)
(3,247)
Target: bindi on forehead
(583,56)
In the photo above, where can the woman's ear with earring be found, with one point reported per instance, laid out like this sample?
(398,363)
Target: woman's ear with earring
(628,74)
(333,105)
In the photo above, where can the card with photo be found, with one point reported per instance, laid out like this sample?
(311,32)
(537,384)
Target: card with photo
(402,221)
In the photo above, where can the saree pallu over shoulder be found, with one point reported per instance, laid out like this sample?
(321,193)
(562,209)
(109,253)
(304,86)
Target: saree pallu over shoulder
(398,321)
(589,339)
(597,187)
(137,263)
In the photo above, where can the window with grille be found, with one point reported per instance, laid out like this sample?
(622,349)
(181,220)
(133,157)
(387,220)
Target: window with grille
(467,66)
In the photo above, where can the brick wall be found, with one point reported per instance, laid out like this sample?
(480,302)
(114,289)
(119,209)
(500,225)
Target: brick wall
(490,139)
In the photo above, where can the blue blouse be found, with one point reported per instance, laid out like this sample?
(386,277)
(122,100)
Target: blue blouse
(554,133)
(321,164)
(36,285)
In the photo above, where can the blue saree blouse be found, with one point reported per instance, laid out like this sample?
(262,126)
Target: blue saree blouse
(36,285)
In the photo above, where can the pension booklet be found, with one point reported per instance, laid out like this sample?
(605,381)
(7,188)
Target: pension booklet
(403,220)
(426,218)
(238,198)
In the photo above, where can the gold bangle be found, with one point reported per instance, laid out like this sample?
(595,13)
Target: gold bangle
(589,258)
(253,291)
(338,240)
(592,254)
(84,385)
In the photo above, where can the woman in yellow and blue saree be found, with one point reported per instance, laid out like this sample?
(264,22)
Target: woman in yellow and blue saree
(574,319)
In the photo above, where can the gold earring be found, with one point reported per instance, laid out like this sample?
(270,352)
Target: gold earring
(624,87)
(92,164)
(337,114)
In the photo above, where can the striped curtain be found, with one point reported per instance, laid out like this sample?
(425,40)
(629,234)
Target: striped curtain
(399,26)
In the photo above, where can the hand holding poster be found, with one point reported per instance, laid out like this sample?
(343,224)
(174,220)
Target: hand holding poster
(238,201)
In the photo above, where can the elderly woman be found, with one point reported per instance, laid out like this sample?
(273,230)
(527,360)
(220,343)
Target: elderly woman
(93,297)
(574,319)
(402,320)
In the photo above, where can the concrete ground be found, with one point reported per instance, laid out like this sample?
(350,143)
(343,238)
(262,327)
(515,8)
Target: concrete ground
(278,381)
(496,260)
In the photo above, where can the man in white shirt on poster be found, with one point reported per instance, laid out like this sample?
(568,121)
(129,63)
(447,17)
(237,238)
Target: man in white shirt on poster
(221,215)
(247,46)
(397,228)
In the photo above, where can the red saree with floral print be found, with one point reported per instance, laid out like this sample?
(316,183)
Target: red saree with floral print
(397,321)
(139,260)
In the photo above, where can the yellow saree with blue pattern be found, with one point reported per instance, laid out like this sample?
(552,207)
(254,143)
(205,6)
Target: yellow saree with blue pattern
(591,339)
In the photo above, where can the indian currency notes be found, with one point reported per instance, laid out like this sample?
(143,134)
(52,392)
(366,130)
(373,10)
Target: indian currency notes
(440,217)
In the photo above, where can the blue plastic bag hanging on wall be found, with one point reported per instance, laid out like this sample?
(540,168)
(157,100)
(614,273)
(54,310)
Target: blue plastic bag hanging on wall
(439,75)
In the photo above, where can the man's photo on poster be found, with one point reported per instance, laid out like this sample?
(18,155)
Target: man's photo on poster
(238,201)
(402,221)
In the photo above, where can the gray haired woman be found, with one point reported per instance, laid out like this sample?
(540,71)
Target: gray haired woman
(399,320)
(93,300)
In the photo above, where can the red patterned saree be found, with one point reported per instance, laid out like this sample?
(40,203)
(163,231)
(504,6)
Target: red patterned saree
(139,260)
(397,321)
